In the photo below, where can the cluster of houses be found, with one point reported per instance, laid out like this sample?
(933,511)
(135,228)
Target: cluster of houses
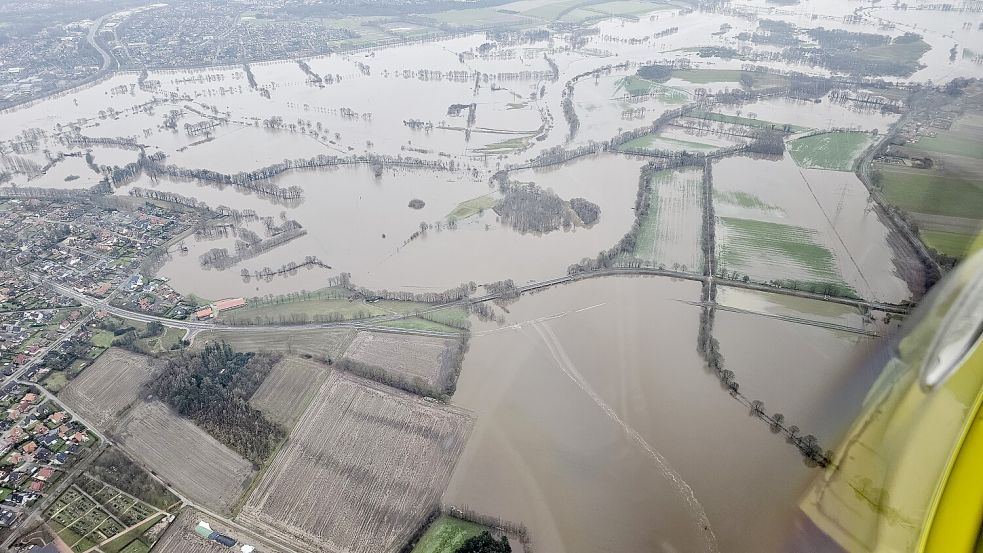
(85,246)
(37,443)
(25,333)
(155,297)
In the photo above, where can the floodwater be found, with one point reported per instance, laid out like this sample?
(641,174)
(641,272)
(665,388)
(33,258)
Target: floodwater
(834,208)
(360,225)
(596,421)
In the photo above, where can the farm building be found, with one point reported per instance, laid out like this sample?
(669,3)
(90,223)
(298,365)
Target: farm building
(205,530)
(228,304)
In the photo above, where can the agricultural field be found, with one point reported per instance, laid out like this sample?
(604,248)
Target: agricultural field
(107,388)
(446,535)
(92,513)
(184,456)
(956,244)
(670,231)
(287,391)
(380,458)
(425,358)
(761,249)
(945,200)
(936,201)
(830,150)
(326,343)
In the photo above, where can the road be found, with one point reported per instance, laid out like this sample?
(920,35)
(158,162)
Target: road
(194,327)
(108,61)
(864,174)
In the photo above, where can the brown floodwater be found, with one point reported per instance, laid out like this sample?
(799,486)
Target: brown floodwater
(599,428)
(359,224)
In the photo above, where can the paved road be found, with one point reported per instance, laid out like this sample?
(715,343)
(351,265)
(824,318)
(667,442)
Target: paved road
(194,327)
(108,61)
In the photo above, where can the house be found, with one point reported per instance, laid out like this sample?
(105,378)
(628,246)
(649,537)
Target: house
(30,397)
(79,437)
(57,418)
(7,518)
(205,313)
(29,447)
(45,474)
(37,486)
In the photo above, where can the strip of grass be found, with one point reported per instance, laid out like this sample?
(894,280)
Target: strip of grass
(418,323)
(955,244)
(744,199)
(447,535)
(832,150)
(473,206)
(757,123)
(504,147)
(924,191)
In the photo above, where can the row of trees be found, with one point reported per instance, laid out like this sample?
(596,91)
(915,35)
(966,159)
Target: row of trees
(221,259)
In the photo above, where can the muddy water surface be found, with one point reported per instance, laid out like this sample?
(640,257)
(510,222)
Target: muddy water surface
(591,399)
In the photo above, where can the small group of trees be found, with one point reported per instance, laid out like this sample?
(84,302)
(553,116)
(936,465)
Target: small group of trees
(212,387)
(220,258)
(529,208)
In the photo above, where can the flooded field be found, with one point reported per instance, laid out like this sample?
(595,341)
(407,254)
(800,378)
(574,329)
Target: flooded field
(596,419)
(508,151)
(778,221)
(359,224)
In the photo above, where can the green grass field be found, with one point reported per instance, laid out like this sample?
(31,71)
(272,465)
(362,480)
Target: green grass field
(956,244)
(950,143)
(473,206)
(653,141)
(446,535)
(102,339)
(418,323)
(633,85)
(748,242)
(56,381)
(832,150)
(316,310)
(670,231)
(704,76)
(927,191)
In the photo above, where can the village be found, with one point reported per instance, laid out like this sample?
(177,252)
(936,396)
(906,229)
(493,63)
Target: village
(39,443)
